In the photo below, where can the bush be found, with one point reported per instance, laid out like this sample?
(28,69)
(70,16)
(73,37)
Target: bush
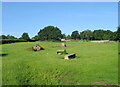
(4,41)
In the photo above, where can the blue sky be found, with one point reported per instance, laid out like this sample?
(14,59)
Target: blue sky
(30,17)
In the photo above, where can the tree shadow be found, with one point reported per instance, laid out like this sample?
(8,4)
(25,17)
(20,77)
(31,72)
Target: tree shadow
(3,54)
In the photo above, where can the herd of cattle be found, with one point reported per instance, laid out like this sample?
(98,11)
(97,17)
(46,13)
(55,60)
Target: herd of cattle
(60,52)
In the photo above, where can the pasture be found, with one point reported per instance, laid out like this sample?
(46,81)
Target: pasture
(95,64)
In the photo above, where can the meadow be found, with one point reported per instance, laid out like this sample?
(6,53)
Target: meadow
(95,64)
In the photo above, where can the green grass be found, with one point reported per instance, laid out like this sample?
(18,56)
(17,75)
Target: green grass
(95,64)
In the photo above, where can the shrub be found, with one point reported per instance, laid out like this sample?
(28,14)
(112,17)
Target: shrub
(4,41)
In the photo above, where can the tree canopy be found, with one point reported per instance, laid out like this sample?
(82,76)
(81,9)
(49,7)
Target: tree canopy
(25,36)
(50,33)
(86,34)
(75,35)
(64,36)
(68,36)
(118,34)
(7,37)
(103,35)
(35,37)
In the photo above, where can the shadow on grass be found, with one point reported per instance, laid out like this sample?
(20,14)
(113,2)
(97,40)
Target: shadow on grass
(3,54)
(29,49)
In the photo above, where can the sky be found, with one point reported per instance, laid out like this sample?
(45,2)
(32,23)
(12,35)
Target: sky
(30,17)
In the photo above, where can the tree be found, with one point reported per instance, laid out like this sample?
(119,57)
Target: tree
(75,35)
(3,37)
(68,37)
(118,34)
(10,37)
(87,35)
(98,34)
(63,36)
(103,35)
(25,36)
(50,33)
(108,35)
(35,37)
(113,36)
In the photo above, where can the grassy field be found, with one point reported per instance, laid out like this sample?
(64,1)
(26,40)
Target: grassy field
(95,64)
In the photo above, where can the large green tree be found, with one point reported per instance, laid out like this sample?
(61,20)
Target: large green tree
(25,36)
(98,34)
(86,34)
(107,35)
(50,33)
(75,35)
(103,35)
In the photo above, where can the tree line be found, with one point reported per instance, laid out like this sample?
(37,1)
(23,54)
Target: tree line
(51,33)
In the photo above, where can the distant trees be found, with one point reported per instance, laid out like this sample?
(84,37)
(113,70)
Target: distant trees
(11,37)
(7,37)
(75,35)
(98,35)
(86,35)
(68,37)
(25,36)
(103,34)
(64,36)
(35,37)
(3,37)
(50,33)
(118,34)
(114,36)
(107,35)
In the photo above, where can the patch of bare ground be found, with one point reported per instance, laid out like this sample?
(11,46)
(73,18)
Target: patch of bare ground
(69,81)
(100,81)
(111,84)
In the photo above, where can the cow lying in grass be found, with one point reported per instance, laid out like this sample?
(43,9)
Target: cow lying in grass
(37,48)
(70,56)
